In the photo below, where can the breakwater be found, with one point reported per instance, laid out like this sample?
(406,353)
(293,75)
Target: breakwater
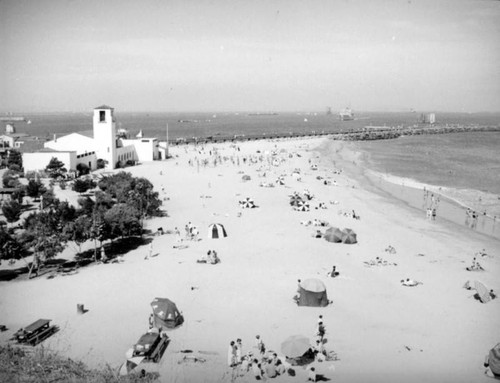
(355,134)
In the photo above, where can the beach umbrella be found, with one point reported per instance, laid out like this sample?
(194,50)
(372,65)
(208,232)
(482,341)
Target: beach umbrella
(216,230)
(482,292)
(333,234)
(280,181)
(295,199)
(246,177)
(494,359)
(349,236)
(247,203)
(314,285)
(295,346)
(302,206)
(166,313)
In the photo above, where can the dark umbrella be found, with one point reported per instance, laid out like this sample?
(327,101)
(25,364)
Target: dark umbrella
(333,234)
(295,199)
(349,236)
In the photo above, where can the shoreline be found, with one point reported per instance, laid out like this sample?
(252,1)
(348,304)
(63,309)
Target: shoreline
(412,192)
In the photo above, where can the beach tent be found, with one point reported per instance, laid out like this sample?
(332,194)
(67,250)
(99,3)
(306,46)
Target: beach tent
(349,236)
(494,360)
(312,292)
(333,234)
(166,314)
(482,292)
(216,230)
(295,346)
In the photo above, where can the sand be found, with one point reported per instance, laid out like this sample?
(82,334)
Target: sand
(381,331)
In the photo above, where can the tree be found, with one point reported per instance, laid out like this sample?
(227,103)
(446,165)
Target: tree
(81,186)
(101,164)
(15,159)
(48,199)
(78,230)
(82,169)
(55,168)
(35,189)
(122,220)
(11,210)
(137,192)
(10,179)
(44,235)
(10,248)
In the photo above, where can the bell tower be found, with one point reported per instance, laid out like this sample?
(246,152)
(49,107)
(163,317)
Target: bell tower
(105,135)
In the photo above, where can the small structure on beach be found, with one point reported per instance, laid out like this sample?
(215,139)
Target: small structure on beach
(312,292)
(216,230)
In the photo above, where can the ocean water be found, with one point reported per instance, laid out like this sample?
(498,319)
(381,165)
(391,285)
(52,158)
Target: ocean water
(459,160)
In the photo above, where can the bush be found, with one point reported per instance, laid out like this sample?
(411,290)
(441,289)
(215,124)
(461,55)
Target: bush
(11,210)
(101,164)
(17,365)
(82,169)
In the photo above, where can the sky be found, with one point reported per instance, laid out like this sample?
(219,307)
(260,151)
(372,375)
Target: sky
(253,55)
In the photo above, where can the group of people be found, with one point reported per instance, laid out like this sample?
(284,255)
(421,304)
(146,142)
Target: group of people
(476,266)
(191,232)
(211,257)
(264,364)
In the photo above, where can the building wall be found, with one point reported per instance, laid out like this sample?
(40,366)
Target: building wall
(89,159)
(126,153)
(40,160)
(146,148)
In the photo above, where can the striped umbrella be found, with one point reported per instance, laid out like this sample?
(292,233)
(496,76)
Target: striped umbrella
(216,230)
(247,203)
(302,206)
(349,236)
(295,199)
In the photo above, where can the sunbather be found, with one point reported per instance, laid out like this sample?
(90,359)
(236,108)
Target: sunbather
(410,282)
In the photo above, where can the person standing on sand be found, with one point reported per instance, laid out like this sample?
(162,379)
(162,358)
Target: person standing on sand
(239,350)
(177,235)
(231,354)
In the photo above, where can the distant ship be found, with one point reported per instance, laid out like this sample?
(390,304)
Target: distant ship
(346,114)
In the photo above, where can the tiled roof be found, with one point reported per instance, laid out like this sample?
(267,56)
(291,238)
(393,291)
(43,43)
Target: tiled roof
(104,107)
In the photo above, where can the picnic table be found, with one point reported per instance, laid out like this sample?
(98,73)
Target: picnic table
(36,332)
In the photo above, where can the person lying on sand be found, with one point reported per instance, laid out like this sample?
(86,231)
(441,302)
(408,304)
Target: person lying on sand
(318,234)
(410,282)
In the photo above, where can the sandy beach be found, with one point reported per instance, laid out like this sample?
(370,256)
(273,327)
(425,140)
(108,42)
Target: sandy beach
(381,331)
